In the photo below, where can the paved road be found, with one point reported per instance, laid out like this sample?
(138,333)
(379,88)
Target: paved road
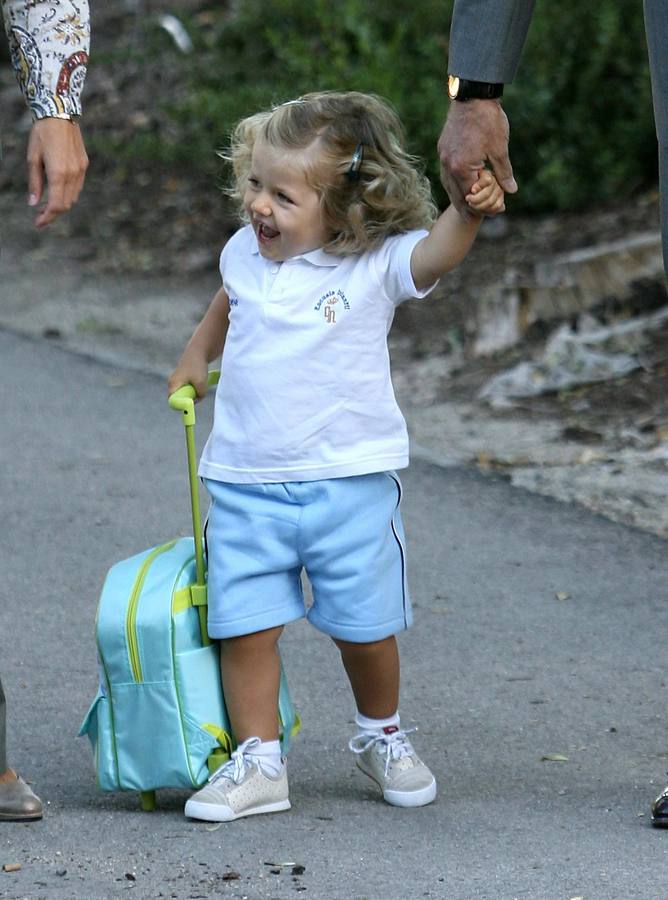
(497,672)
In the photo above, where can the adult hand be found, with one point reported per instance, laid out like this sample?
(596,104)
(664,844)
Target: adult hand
(57,156)
(475,132)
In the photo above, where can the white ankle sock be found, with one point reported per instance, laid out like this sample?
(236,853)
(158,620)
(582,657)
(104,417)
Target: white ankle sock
(375,726)
(267,754)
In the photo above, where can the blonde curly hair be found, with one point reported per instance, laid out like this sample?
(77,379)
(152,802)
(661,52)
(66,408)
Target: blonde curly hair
(369,187)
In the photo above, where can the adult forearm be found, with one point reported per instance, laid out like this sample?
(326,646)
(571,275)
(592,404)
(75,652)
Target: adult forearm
(486,38)
(49,44)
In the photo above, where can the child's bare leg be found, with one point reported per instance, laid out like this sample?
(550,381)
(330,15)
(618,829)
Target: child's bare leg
(383,751)
(251,672)
(373,671)
(254,780)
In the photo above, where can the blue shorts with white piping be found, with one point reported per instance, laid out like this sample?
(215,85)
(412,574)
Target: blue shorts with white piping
(345,532)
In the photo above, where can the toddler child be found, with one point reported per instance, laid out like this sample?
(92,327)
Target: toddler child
(307,435)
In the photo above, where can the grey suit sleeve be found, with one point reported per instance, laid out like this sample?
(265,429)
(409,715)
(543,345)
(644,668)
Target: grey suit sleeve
(486,38)
(656,25)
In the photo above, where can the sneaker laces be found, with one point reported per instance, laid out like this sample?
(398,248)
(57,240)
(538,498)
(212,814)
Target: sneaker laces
(238,764)
(396,746)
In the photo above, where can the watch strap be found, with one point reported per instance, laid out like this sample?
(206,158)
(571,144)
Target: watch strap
(464,89)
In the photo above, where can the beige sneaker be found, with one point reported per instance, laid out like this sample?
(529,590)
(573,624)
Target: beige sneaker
(389,759)
(239,788)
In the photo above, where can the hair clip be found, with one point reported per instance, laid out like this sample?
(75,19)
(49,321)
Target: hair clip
(353,173)
(296,102)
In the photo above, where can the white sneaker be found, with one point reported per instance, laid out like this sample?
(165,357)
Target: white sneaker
(240,788)
(389,759)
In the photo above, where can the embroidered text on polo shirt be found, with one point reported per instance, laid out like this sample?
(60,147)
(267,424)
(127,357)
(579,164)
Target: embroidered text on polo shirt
(330,301)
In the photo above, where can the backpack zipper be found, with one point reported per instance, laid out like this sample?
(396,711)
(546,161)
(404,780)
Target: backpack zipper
(133,604)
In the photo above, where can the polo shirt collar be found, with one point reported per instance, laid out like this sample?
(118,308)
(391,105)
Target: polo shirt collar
(315,257)
(320,258)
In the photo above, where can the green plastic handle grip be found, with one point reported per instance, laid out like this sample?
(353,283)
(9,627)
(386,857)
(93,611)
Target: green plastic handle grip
(183,400)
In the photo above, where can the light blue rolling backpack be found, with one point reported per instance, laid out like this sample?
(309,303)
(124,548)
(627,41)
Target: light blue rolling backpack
(159,717)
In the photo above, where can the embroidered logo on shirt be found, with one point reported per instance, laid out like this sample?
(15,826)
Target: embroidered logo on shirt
(332,303)
(234,301)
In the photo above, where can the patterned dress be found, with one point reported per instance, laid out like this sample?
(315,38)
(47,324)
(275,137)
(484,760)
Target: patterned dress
(49,42)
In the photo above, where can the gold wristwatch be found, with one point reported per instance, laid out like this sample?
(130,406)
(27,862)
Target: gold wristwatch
(464,89)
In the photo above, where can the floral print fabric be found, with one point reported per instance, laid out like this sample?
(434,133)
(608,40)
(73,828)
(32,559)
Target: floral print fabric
(49,42)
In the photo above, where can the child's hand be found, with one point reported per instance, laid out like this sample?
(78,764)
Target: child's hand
(486,196)
(192,369)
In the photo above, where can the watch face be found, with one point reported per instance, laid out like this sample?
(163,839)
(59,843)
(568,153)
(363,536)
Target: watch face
(453,86)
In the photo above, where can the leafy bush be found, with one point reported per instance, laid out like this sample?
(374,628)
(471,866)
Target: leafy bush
(273,51)
(580,108)
(582,130)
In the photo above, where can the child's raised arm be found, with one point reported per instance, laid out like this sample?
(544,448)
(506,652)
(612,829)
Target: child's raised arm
(450,238)
(204,346)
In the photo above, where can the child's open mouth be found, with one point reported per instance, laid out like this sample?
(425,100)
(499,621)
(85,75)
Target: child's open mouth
(265,233)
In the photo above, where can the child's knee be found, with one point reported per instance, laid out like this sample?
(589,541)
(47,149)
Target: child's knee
(248,644)
(366,648)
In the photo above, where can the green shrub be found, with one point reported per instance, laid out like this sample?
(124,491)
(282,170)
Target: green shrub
(273,51)
(581,120)
(582,128)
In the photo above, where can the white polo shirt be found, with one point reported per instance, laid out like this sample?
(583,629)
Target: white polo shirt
(305,390)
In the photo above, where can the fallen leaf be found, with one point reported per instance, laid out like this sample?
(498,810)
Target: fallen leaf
(231,876)
(298,870)
(562,595)
(554,757)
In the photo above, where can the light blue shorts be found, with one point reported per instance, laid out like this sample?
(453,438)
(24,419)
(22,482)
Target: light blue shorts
(345,532)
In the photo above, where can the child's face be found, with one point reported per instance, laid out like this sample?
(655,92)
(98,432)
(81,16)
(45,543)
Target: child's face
(284,209)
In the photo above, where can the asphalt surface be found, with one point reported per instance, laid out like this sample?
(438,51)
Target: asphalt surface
(497,673)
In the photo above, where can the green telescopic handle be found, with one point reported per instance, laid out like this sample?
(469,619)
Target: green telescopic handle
(183,400)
